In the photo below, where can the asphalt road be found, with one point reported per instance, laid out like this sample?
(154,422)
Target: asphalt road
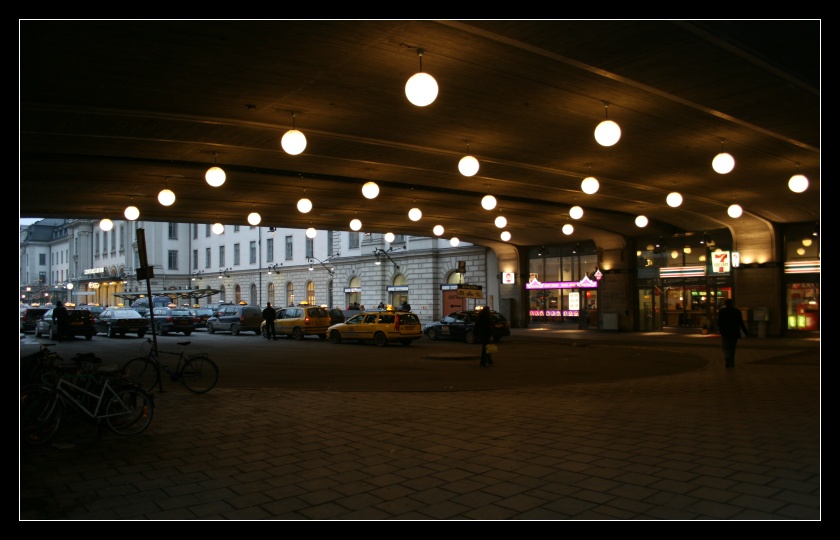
(250,361)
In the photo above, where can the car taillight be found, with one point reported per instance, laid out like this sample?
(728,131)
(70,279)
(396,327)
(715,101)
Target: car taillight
(306,321)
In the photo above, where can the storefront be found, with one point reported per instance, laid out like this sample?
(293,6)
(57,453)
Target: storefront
(562,284)
(802,277)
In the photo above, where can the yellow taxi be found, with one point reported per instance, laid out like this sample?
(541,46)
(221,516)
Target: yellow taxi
(381,326)
(300,321)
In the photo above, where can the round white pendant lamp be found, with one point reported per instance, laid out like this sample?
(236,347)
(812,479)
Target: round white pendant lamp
(218,228)
(254,218)
(355,224)
(735,211)
(488,202)
(106,224)
(166,197)
(568,229)
(505,236)
(674,199)
(576,212)
(370,190)
(468,166)
(500,221)
(607,133)
(415,214)
(641,221)
(311,232)
(131,213)
(390,237)
(215,176)
(723,163)
(421,89)
(590,185)
(798,183)
(454,241)
(304,205)
(293,141)
(438,230)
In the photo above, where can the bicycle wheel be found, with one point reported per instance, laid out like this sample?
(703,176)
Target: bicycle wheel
(41,412)
(199,374)
(129,411)
(142,371)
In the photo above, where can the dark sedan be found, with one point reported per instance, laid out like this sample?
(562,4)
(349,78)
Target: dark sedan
(461,325)
(121,321)
(79,323)
(201,315)
(168,320)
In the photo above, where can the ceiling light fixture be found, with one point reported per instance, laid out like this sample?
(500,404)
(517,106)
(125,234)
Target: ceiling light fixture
(421,89)
(641,221)
(370,190)
(590,184)
(311,232)
(454,241)
(166,197)
(254,218)
(218,228)
(576,212)
(674,199)
(293,141)
(106,224)
(438,230)
(390,237)
(723,163)
(468,165)
(488,202)
(568,229)
(735,211)
(607,132)
(505,236)
(415,214)
(215,176)
(500,221)
(798,182)
(355,224)
(131,212)
(304,205)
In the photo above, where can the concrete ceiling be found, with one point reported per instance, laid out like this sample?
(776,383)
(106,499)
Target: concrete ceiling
(111,112)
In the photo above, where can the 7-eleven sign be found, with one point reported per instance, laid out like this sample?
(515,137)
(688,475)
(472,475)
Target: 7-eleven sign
(720,262)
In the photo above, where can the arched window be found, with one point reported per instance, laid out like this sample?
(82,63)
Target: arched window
(270,294)
(310,293)
(238,295)
(290,293)
(255,301)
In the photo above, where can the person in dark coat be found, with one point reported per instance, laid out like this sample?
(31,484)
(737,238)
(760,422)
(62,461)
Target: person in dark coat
(61,319)
(483,333)
(269,315)
(730,325)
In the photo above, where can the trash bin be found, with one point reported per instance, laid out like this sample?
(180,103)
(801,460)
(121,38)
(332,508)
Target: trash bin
(761,316)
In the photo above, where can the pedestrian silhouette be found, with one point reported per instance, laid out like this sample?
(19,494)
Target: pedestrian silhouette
(730,324)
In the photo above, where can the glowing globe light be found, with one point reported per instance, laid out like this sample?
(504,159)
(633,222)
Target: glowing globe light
(607,133)
(488,202)
(500,221)
(723,163)
(674,199)
(304,205)
(576,212)
(421,89)
(131,213)
(355,224)
(106,224)
(370,190)
(505,236)
(468,165)
(438,230)
(568,229)
(454,241)
(215,176)
(254,218)
(415,214)
(641,221)
(389,237)
(293,142)
(798,183)
(218,228)
(311,232)
(590,185)
(735,211)
(166,197)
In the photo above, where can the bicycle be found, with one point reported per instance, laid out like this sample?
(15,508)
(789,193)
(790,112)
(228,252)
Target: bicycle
(98,392)
(197,372)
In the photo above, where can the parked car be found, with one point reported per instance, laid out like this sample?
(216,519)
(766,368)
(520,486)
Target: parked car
(201,315)
(168,320)
(141,305)
(300,321)
(336,316)
(95,310)
(380,326)
(121,321)
(236,319)
(461,325)
(29,316)
(79,323)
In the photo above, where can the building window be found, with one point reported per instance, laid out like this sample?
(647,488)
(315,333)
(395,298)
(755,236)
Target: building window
(330,239)
(195,259)
(354,240)
(113,241)
(310,248)
(195,231)
(42,259)
(222,256)
(288,248)
(252,252)
(236,228)
(173,231)
(269,250)
(236,254)
(96,242)
(207,257)
(207,230)
(122,237)
(173,259)
(310,292)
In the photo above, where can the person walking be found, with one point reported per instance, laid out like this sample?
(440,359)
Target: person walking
(730,324)
(483,333)
(269,315)
(61,320)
